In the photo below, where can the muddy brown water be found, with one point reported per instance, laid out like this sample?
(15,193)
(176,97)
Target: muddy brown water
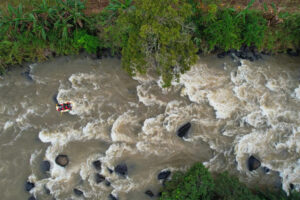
(235,111)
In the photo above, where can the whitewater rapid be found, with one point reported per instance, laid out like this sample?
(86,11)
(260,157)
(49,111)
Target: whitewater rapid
(235,112)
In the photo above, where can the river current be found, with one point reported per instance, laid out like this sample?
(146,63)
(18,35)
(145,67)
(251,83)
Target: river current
(236,109)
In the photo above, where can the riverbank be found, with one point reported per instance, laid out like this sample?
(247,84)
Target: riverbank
(38,31)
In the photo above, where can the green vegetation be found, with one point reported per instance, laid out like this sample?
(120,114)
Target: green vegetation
(32,35)
(197,183)
(160,35)
(153,33)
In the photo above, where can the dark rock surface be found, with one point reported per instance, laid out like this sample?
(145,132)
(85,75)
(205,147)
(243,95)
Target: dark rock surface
(112,197)
(149,193)
(62,160)
(293,53)
(222,54)
(99,178)
(266,170)
(97,165)
(110,170)
(78,192)
(29,186)
(121,169)
(253,163)
(32,198)
(292,186)
(163,175)
(107,183)
(183,130)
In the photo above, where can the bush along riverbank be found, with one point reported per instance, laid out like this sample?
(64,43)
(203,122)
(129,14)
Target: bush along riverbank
(164,35)
(198,183)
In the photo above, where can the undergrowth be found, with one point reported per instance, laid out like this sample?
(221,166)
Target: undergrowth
(198,183)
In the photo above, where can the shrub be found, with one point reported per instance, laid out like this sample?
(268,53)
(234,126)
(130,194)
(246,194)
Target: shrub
(153,34)
(196,183)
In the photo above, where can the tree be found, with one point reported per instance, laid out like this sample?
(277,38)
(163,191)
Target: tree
(154,34)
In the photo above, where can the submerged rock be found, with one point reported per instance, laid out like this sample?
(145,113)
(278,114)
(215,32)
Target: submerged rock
(97,164)
(121,169)
(45,166)
(27,75)
(112,197)
(183,130)
(107,183)
(62,160)
(253,163)
(163,175)
(54,98)
(32,198)
(29,186)
(222,55)
(99,178)
(266,170)
(149,193)
(47,191)
(110,170)
(78,192)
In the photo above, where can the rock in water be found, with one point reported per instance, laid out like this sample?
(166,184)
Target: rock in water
(29,186)
(99,178)
(45,166)
(112,197)
(62,160)
(107,183)
(110,170)
(253,163)
(97,164)
(78,192)
(163,175)
(149,193)
(266,170)
(183,130)
(121,169)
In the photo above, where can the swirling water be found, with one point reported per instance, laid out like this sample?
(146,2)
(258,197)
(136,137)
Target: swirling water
(235,111)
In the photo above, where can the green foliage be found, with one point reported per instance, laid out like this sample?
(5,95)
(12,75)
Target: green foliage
(88,42)
(228,187)
(196,183)
(55,26)
(153,35)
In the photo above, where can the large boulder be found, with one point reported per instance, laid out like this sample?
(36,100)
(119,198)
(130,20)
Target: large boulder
(183,130)
(78,192)
(62,160)
(163,175)
(29,186)
(97,164)
(121,169)
(253,163)
(99,178)
(149,193)
(45,166)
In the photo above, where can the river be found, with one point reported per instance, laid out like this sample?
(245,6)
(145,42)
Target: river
(236,110)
